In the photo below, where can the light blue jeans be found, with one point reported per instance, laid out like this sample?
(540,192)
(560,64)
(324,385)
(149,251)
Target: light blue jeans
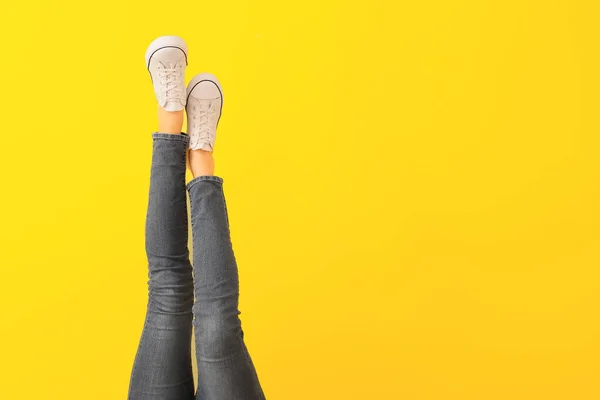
(162,369)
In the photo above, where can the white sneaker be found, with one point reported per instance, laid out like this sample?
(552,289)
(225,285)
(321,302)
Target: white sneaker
(204,105)
(166,59)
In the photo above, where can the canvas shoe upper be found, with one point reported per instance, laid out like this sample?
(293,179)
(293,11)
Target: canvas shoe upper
(204,106)
(166,59)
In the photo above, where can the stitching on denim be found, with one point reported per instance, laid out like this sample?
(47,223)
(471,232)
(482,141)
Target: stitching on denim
(168,139)
(190,184)
(169,136)
(225,209)
(175,135)
(192,263)
(197,179)
(183,160)
(184,166)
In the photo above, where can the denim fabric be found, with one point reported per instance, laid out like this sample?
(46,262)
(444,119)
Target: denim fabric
(162,369)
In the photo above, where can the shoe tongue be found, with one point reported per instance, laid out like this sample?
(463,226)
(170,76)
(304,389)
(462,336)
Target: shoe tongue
(168,65)
(202,104)
(204,107)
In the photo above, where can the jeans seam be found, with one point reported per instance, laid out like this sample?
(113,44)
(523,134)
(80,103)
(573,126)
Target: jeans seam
(225,210)
(200,178)
(170,136)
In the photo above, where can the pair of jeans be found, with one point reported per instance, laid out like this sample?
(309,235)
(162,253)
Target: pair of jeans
(162,369)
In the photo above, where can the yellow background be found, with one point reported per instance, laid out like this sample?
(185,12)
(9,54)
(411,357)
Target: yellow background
(413,189)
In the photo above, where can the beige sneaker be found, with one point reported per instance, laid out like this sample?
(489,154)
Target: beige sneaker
(204,106)
(166,59)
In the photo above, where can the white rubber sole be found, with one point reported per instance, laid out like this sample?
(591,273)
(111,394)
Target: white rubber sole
(166,41)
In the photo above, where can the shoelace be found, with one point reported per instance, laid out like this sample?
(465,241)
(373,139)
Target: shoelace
(203,112)
(170,76)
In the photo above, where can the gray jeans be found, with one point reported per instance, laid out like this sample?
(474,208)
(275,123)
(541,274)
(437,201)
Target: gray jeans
(162,369)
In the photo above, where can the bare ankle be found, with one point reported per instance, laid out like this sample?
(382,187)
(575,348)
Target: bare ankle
(169,121)
(201,163)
